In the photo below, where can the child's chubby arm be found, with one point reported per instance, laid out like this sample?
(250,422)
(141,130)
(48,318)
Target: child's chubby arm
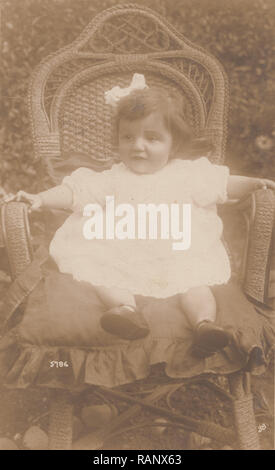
(239,186)
(58,197)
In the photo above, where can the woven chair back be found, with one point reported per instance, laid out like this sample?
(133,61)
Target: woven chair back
(67,108)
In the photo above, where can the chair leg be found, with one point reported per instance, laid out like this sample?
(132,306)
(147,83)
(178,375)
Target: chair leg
(61,421)
(245,422)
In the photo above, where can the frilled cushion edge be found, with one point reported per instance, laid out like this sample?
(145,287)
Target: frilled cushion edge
(26,365)
(26,361)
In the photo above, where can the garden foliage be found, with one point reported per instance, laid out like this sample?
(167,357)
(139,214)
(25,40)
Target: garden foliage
(240,33)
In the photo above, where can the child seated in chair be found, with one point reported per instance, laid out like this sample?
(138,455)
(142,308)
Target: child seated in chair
(156,167)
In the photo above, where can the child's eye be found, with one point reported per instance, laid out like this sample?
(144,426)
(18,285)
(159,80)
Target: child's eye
(152,138)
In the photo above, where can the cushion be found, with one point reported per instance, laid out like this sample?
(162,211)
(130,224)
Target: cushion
(61,324)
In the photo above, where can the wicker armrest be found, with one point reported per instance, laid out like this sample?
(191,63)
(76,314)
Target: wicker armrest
(258,267)
(15,233)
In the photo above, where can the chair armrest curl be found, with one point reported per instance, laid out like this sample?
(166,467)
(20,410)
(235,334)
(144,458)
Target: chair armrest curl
(258,264)
(16,236)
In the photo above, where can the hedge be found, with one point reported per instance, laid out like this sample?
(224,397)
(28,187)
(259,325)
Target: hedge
(239,33)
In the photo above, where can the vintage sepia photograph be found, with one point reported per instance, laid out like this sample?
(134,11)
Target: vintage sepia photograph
(137,227)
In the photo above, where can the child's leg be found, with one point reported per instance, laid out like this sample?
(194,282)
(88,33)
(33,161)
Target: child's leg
(115,297)
(199,306)
(121,319)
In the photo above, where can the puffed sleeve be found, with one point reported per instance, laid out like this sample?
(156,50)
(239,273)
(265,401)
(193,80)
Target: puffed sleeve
(208,182)
(88,186)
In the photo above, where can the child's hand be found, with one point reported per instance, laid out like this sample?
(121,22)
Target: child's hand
(34,200)
(265,184)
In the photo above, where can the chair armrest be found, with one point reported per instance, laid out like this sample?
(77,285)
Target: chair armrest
(15,234)
(258,265)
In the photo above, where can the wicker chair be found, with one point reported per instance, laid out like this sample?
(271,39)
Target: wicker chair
(68,115)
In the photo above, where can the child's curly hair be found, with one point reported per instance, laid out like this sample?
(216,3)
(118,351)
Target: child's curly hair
(140,103)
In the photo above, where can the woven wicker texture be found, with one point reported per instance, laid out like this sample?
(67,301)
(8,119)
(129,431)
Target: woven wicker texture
(16,236)
(66,97)
(245,422)
(120,33)
(68,114)
(61,421)
(86,121)
(261,246)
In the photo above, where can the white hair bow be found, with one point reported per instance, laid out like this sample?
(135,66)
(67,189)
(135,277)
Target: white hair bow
(113,96)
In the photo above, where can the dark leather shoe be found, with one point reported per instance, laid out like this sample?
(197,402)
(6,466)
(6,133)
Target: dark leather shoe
(125,323)
(255,359)
(209,338)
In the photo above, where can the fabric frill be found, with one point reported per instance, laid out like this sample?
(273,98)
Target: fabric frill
(59,341)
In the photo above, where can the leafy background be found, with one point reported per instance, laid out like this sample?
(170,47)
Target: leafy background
(240,33)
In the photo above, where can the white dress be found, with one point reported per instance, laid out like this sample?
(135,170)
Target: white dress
(147,267)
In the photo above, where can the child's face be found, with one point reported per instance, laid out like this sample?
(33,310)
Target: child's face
(144,144)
